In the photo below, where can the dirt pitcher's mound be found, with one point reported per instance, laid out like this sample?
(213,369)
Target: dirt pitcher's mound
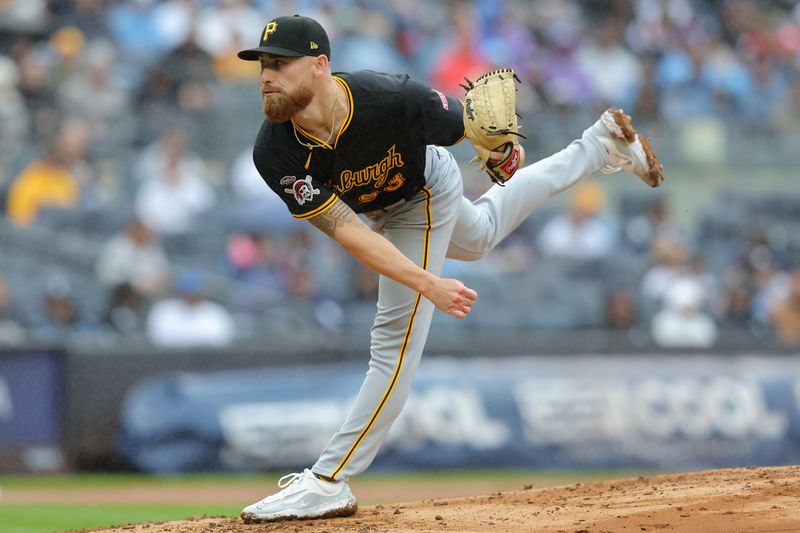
(735,500)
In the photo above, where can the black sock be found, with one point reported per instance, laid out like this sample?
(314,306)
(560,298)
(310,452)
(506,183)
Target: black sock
(324,478)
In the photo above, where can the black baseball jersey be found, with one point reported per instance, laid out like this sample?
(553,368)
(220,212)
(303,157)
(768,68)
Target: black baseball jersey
(378,158)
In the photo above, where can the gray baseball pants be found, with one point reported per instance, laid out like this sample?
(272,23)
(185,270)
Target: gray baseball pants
(435,224)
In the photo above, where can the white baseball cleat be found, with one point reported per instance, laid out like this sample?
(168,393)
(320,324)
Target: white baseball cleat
(303,496)
(627,150)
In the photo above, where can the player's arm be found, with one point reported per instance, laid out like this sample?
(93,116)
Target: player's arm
(376,252)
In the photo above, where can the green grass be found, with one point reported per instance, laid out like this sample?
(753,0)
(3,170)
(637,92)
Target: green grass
(33,518)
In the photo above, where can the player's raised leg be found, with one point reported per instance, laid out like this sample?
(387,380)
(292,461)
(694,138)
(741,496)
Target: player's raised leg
(609,145)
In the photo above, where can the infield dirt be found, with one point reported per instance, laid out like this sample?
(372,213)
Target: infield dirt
(732,500)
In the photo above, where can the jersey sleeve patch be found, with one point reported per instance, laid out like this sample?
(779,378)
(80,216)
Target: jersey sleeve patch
(443,98)
(283,172)
(303,190)
(432,117)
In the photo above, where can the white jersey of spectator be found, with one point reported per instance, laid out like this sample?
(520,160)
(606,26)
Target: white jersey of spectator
(682,323)
(174,191)
(178,323)
(170,208)
(580,233)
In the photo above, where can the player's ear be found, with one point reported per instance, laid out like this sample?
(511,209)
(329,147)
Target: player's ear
(321,65)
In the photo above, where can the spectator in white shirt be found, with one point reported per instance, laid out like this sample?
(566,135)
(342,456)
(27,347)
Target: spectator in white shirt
(683,322)
(190,319)
(581,232)
(174,192)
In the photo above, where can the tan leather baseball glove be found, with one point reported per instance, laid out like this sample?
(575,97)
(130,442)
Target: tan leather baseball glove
(490,121)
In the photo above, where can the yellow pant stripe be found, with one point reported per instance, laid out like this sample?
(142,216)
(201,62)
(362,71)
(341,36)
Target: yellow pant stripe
(406,339)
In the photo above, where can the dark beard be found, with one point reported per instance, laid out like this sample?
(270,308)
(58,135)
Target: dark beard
(280,108)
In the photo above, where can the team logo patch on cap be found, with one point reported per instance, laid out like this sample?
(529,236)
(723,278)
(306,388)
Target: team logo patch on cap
(270,28)
(302,190)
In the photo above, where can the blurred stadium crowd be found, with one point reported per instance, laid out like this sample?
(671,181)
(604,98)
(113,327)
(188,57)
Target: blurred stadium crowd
(130,207)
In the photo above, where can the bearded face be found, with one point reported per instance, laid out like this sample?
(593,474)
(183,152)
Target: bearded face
(281,107)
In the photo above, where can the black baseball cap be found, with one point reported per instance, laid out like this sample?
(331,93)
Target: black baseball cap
(290,36)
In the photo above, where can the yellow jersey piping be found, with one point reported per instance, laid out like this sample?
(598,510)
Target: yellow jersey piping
(321,209)
(349,116)
(342,128)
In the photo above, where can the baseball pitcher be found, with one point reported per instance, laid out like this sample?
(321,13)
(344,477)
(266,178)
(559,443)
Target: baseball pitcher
(336,145)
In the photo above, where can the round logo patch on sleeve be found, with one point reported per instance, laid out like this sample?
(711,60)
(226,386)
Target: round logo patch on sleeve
(302,190)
